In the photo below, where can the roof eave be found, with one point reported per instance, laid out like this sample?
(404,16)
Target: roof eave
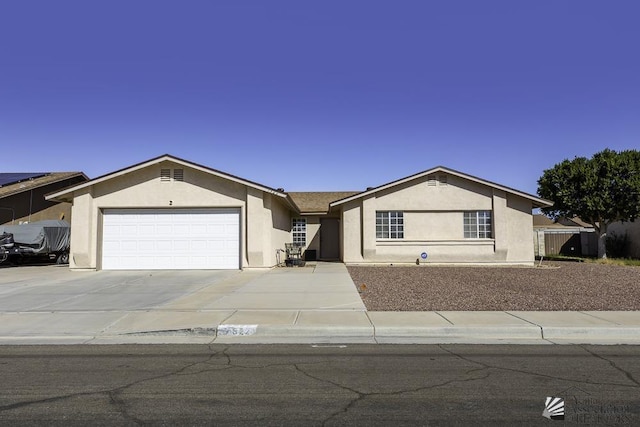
(62,178)
(308,213)
(537,202)
(156,160)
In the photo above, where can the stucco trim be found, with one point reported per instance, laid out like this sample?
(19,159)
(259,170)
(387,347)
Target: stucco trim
(537,201)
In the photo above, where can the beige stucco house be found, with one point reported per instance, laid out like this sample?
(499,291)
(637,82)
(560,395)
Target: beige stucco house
(169,213)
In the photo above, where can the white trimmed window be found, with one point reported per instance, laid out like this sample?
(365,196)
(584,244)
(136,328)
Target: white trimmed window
(477,225)
(299,231)
(389,225)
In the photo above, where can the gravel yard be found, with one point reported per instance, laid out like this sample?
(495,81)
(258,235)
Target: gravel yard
(554,286)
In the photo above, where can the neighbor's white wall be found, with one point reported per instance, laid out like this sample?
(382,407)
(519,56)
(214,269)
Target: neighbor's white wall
(633,233)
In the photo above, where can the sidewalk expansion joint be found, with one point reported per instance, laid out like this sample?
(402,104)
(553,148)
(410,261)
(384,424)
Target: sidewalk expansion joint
(442,315)
(530,322)
(600,318)
(373,326)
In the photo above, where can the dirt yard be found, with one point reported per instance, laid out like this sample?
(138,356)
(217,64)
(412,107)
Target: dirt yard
(554,286)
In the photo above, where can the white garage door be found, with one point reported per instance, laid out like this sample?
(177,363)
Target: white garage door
(157,239)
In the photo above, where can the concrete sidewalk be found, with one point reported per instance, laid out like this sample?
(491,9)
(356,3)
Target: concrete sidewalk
(317,304)
(317,327)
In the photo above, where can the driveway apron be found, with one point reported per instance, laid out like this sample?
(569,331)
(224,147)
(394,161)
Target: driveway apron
(323,286)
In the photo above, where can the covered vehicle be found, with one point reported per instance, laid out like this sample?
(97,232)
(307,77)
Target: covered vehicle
(50,238)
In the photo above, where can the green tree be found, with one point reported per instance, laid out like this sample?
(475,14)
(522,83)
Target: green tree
(600,190)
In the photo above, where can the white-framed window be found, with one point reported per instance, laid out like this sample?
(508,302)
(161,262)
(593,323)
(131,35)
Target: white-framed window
(477,225)
(299,231)
(389,225)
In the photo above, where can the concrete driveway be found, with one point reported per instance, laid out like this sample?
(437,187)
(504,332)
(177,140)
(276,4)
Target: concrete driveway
(51,301)
(55,288)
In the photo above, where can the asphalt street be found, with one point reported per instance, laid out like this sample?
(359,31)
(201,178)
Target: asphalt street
(317,384)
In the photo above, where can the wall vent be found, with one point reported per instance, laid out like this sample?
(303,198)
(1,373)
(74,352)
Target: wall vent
(437,180)
(178,174)
(165,175)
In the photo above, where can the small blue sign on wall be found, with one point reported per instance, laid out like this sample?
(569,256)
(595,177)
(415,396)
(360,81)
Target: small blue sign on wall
(423,255)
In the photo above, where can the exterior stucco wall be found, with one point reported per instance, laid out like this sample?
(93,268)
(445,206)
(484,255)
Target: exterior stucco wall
(313,233)
(351,225)
(632,229)
(433,223)
(83,231)
(262,219)
(280,228)
(520,230)
(457,195)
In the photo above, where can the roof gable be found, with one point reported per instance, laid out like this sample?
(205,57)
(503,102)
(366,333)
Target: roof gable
(537,202)
(160,159)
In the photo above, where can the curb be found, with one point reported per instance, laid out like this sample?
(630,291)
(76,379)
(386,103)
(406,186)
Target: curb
(624,334)
(462,332)
(228,333)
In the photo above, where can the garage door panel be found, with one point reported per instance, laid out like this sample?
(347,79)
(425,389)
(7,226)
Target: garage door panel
(131,246)
(176,239)
(198,245)
(146,230)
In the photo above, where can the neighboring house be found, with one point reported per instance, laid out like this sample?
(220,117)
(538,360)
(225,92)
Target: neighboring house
(22,196)
(572,237)
(575,222)
(632,230)
(169,213)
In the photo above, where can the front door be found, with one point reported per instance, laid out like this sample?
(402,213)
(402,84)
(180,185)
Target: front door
(329,238)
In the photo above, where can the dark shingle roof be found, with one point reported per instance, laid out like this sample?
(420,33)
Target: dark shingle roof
(29,184)
(540,220)
(317,201)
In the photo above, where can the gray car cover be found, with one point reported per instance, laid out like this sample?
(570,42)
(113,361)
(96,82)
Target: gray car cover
(40,237)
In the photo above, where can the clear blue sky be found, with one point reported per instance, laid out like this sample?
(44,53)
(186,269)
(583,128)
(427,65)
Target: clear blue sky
(318,95)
